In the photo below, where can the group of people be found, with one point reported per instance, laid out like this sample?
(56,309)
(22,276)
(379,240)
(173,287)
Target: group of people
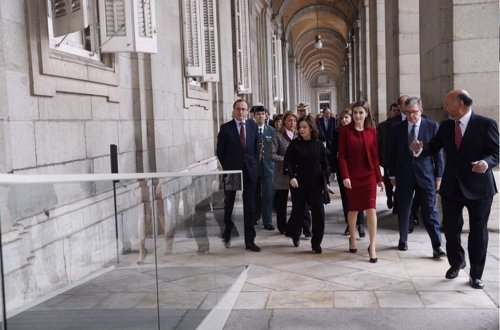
(299,154)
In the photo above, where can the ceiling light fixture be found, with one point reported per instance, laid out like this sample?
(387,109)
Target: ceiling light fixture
(321,66)
(317,39)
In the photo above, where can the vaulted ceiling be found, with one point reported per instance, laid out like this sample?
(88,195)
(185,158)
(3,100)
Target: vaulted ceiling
(302,20)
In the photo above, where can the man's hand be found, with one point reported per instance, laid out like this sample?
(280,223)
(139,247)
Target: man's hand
(294,183)
(416,146)
(479,166)
(438,184)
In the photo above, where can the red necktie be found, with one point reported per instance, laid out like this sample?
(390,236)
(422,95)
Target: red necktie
(458,134)
(242,134)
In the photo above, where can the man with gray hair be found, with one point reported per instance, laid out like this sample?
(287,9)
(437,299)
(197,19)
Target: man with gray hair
(419,176)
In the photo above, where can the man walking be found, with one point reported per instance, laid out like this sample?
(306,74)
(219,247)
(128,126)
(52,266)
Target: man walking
(416,175)
(237,150)
(265,168)
(470,142)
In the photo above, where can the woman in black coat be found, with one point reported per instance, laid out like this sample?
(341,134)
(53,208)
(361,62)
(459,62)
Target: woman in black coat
(307,168)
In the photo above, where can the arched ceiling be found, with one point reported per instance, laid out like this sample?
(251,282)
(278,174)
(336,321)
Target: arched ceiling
(302,20)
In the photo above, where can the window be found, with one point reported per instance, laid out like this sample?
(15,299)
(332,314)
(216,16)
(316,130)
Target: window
(200,42)
(324,100)
(125,26)
(72,27)
(53,56)
(241,47)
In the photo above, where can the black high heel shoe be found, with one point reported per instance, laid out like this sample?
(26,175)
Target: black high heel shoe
(372,260)
(351,249)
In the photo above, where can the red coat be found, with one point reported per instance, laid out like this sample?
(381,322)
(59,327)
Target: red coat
(358,156)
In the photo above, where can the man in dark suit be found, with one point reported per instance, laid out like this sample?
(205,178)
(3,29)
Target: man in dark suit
(264,189)
(326,125)
(383,147)
(416,175)
(237,150)
(470,142)
(269,121)
(398,118)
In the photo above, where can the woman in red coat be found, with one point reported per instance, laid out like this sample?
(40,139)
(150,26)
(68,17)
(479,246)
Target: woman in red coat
(360,168)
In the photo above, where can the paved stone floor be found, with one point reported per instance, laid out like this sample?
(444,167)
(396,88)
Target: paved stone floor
(286,287)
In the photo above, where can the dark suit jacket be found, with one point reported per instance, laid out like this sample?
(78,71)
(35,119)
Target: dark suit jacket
(404,166)
(383,131)
(480,142)
(326,135)
(231,154)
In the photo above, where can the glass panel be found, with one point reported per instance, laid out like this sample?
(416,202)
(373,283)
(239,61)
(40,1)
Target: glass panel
(158,261)
(195,270)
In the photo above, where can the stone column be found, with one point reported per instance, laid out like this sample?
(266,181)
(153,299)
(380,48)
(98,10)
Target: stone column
(369,75)
(409,48)
(436,22)
(286,76)
(380,87)
(476,53)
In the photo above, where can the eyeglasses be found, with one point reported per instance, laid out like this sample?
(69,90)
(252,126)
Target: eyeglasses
(412,112)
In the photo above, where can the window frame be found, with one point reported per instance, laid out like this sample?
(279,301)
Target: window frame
(53,70)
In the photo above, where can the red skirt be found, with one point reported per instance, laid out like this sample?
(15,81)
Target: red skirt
(363,195)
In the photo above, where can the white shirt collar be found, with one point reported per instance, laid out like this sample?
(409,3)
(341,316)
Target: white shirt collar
(464,121)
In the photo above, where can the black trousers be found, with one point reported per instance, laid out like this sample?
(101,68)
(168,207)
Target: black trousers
(248,209)
(281,197)
(389,188)
(301,198)
(479,212)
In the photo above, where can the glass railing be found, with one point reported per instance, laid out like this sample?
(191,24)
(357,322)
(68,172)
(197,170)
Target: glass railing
(124,251)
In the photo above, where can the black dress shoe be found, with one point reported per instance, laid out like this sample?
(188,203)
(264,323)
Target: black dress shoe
(361,231)
(389,203)
(282,232)
(307,234)
(477,283)
(346,231)
(453,271)
(438,253)
(402,246)
(317,250)
(296,242)
(269,227)
(227,242)
(253,247)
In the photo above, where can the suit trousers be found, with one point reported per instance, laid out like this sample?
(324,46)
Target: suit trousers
(264,200)
(426,197)
(301,198)
(479,212)
(389,189)
(248,209)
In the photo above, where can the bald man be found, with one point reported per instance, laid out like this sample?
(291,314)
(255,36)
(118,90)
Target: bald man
(470,142)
